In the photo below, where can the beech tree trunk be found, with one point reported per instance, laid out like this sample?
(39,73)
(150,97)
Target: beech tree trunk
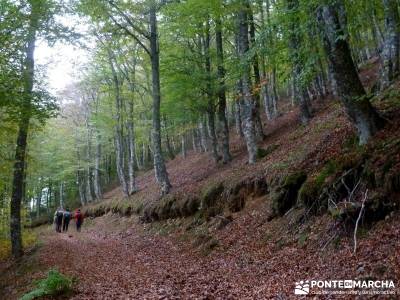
(183,142)
(295,40)
(248,104)
(203,135)
(118,139)
(349,87)
(222,121)
(131,151)
(171,153)
(39,200)
(257,79)
(81,186)
(97,179)
(210,95)
(19,170)
(89,169)
(159,165)
(391,47)
(237,109)
(62,194)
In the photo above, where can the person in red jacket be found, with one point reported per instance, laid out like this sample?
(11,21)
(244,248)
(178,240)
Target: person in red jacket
(78,219)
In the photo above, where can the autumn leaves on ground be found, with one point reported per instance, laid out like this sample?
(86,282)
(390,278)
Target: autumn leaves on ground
(244,253)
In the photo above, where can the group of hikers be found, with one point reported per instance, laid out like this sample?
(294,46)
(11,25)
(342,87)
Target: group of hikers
(63,217)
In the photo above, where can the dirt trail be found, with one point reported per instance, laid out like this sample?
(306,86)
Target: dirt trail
(134,264)
(116,258)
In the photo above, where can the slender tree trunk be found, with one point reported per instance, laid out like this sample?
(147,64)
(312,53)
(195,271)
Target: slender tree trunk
(238,113)
(62,194)
(97,179)
(295,40)
(144,155)
(273,95)
(48,197)
(130,75)
(119,146)
(391,48)
(159,165)
(210,95)
(81,187)
(248,100)
(132,151)
(257,79)
(203,135)
(274,92)
(19,170)
(167,138)
(223,123)
(194,140)
(213,136)
(89,169)
(138,158)
(39,201)
(349,86)
(264,90)
(183,142)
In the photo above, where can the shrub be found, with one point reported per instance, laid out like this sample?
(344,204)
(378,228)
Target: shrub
(53,285)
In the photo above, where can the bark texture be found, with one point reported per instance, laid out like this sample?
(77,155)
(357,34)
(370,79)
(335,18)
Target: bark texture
(19,169)
(248,105)
(349,87)
(391,51)
(295,39)
(222,121)
(159,164)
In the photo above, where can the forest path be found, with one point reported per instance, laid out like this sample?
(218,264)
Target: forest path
(117,258)
(134,264)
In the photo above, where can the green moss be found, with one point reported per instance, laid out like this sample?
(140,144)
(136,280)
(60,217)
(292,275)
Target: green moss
(311,189)
(285,196)
(309,192)
(294,179)
(261,153)
(210,202)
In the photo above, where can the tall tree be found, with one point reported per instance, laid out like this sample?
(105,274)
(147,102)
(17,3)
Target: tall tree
(159,164)
(248,103)
(223,123)
(349,87)
(295,41)
(391,48)
(23,128)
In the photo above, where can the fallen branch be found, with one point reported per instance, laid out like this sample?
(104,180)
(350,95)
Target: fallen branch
(358,220)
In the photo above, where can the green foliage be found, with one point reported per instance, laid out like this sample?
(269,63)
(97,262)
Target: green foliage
(54,284)
(29,239)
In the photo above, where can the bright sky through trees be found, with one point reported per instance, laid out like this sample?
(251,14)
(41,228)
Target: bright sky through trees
(62,61)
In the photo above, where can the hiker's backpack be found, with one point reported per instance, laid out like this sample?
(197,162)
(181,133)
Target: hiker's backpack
(67,215)
(59,214)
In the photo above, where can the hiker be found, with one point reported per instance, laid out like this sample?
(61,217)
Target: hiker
(66,219)
(58,218)
(78,219)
